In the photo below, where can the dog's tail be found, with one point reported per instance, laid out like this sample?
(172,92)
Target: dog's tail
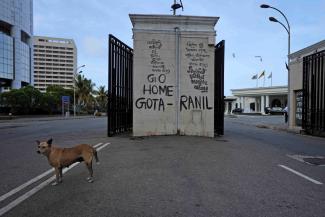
(95,155)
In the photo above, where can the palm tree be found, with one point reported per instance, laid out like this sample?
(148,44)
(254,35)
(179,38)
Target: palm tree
(84,92)
(101,98)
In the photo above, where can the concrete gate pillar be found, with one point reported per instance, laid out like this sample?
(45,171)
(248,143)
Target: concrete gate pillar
(173,83)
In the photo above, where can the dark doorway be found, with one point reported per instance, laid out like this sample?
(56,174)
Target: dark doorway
(276,103)
(252,106)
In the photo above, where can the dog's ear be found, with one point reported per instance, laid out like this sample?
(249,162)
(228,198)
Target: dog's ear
(49,142)
(38,142)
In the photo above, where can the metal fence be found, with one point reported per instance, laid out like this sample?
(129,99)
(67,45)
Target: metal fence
(219,88)
(313,112)
(120,77)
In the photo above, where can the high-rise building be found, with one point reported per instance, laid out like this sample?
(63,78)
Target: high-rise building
(16,32)
(55,61)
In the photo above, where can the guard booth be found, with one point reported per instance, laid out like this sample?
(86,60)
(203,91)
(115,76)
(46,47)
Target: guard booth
(171,82)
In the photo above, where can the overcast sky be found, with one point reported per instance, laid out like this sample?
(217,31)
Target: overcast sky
(242,24)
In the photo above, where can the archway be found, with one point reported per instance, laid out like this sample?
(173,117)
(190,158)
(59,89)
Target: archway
(276,103)
(252,106)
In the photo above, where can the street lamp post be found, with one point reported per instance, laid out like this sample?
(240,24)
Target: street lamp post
(287,28)
(74,89)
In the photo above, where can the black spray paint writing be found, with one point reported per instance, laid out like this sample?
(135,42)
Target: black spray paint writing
(155,86)
(197,66)
(194,102)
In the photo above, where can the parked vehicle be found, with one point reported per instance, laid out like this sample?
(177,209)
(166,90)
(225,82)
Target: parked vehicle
(267,110)
(237,110)
(276,111)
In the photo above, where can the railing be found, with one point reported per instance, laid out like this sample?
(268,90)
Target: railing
(120,90)
(219,88)
(313,112)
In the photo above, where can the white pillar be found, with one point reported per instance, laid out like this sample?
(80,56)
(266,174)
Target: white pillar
(262,104)
(255,103)
(226,107)
(267,101)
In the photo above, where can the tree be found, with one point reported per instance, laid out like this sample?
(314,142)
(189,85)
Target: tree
(52,98)
(22,101)
(101,98)
(84,93)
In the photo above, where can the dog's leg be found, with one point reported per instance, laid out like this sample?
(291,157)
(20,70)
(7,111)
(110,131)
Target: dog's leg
(57,176)
(90,170)
(60,175)
(95,155)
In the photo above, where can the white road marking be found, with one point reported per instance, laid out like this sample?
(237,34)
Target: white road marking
(21,187)
(32,192)
(26,184)
(95,146)
(103,146)
(301,175)
(37,188)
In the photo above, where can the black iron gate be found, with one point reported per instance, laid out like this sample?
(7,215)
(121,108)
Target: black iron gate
(219,106)
(313,110)
(120,90)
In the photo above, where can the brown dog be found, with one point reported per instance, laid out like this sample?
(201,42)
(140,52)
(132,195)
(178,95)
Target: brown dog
(64,157)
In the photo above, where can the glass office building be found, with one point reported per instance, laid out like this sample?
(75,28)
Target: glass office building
(16,44)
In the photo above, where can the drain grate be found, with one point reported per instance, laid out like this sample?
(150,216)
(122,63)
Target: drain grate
(315,161)
(311,160)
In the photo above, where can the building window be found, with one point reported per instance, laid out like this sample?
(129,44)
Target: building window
(24,37)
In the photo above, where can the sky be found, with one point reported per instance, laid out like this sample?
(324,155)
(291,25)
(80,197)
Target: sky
(243,25)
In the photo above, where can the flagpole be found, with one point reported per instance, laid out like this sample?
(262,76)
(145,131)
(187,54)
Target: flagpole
(264,81)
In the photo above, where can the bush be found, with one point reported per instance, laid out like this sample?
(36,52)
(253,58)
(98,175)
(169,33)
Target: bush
(29,100)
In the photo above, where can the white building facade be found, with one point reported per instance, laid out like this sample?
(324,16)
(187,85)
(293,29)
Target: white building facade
(255,100)
(55,61)
(16,50)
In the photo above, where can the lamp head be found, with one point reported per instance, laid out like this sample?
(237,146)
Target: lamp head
(265,6)
(272,19)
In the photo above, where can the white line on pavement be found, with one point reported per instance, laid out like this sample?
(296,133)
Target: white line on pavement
(301,175)
(39,187)
(21,187)
(95,146)
(26,184)
(103,146)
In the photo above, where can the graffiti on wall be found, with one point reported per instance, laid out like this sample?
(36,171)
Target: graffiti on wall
(159,93)
(197,55)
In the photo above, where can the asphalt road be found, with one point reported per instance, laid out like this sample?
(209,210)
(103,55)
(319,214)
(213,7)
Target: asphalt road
(244,173)
(19,161)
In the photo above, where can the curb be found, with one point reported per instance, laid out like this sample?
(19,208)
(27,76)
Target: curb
(285,129)
(32,119)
